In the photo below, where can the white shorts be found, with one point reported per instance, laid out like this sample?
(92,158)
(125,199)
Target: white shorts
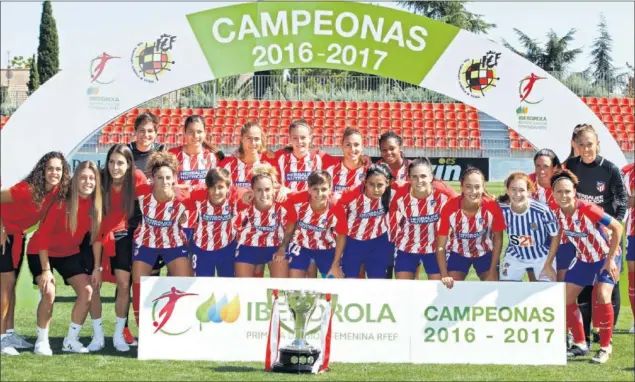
(513,268)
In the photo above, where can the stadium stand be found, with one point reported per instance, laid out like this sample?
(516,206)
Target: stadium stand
(422,125)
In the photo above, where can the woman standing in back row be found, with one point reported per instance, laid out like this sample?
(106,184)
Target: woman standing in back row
(601,184)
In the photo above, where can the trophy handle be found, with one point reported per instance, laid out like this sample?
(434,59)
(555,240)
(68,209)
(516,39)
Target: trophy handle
(333,304)
(270,305)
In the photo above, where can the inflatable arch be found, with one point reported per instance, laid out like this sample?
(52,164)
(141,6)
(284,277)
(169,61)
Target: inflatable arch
(249,37)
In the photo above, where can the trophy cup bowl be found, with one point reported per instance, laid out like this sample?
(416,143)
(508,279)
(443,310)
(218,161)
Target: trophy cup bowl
(299,356)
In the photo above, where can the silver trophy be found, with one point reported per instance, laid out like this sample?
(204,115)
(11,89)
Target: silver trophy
(299,356)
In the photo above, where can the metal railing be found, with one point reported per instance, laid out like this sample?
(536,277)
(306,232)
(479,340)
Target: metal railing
(337,87)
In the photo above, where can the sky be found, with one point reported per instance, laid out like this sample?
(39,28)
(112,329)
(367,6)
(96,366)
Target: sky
(78,22)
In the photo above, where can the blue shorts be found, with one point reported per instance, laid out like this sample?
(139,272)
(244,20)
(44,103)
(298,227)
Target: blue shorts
(150,255)
(586,274)
(564,256)
(630,248)
(300,258)
(408,262)
(376,255)
(189,233)
(460,263)
(254,255)
(210,263)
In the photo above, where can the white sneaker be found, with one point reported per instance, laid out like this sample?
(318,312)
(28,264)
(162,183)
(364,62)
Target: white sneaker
(6,348)
(74,346)
(96,344)
(632,330)
(43,348)
(120,344)
(18,342)
(602,355)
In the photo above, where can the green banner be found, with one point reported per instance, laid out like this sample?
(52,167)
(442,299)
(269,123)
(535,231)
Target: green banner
(335,35)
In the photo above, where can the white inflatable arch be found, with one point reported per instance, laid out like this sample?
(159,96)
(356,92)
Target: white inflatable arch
(250,37)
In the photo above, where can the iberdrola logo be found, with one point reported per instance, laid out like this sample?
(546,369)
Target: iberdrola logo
(217,312)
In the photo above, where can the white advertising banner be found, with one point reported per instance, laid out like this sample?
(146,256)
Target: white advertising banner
(385,321)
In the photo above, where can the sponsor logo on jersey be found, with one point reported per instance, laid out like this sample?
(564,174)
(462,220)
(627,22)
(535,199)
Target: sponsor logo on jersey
(426,219)
(299,176)
(470,235)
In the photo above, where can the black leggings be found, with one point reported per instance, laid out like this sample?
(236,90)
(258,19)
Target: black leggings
(586,308)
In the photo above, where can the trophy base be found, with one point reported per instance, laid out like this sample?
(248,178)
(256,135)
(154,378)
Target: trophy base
(297,361)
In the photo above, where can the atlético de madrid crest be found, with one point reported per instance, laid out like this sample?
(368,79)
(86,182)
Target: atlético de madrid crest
(601,186)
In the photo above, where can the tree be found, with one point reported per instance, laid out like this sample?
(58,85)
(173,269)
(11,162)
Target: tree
(553,56)
(629,90)
(450,12)
(34,78)
(48,48)
(18,62)
(602,69)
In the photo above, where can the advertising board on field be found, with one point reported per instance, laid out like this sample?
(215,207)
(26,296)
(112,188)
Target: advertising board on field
(384,321)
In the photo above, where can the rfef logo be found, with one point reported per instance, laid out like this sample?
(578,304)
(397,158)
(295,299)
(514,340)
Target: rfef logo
(167,310)
(151,60)
(478,75)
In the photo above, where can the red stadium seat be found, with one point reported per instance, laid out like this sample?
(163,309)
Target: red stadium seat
(431,142)
(452,133)
(407,124)
(406,106)
(472,116)
(475,144)
(452,143)
(439,115)
(515,144)
(591,101)
(450,116)
(614,101)
(459,107)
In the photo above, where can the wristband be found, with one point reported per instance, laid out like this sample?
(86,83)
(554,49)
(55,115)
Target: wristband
(45,270)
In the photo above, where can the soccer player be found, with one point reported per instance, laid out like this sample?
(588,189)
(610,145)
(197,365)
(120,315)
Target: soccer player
(349,170)
(145,131)
(628,172)
(160,232)
(120,177)
(414,215)
(531,225)
(598,259)
(366,209)
(546,162)
(600,183)
(476,239)
(321,228)
(251,151)
(145,144)
(264,228)
(23,205)
(58,241)
(195,158)
(213,243)
(391,148)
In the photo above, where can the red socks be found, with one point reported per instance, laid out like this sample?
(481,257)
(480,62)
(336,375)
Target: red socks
(136,291)
(595,317)
(574,321)
(605,319)
(631,291)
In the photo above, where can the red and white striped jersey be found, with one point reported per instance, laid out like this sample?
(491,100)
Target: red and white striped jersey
(214,227)
(366,218)
(402,172)
(239,170)
(317,230)
(471,236)
(257,228)
(192,172)
(193,168)
(293,172)
(343,177)
(414,221)
(160,225)
(628,172)
(585,230)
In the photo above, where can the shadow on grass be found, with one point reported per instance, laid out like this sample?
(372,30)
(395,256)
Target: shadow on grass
(58,342)
(237,369)
(71,299)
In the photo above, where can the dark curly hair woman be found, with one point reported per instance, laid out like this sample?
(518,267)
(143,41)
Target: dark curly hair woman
(22,207)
